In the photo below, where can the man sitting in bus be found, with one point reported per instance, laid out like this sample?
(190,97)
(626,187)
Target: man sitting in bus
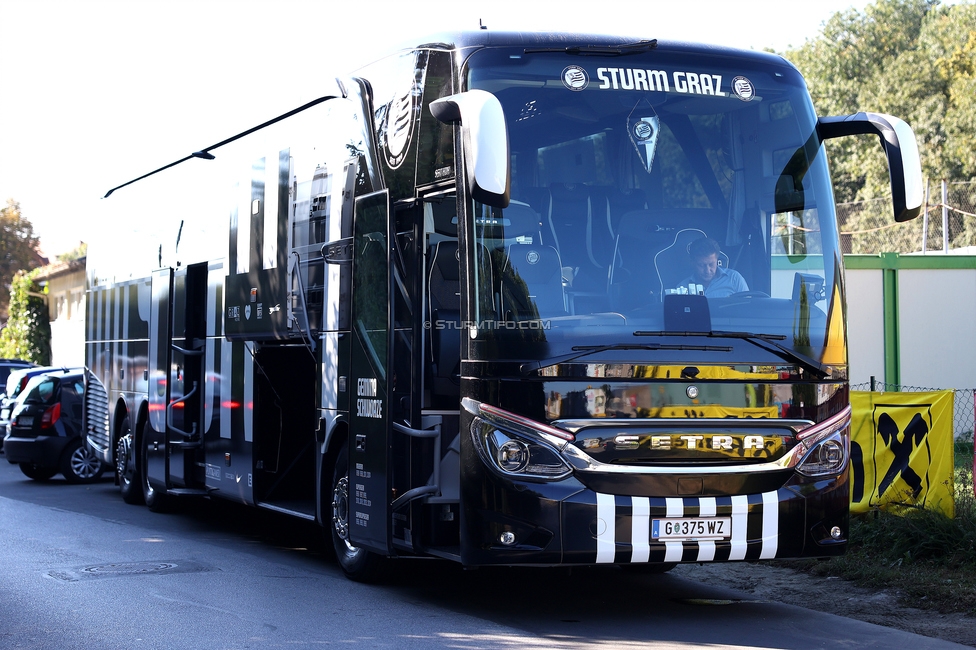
(714,280)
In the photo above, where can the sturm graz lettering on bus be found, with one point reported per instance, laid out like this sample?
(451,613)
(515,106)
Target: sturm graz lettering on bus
(678,81)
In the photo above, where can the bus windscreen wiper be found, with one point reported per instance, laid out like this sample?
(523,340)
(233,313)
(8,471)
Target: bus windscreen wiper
(583,350)
(600,50)
(761,341)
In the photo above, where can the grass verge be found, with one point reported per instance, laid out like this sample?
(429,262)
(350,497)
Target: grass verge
(928,559)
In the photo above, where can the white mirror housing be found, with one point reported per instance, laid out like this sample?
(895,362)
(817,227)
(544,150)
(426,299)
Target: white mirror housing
(901,149)
(484,137)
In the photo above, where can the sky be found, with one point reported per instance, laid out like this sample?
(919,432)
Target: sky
(94,93)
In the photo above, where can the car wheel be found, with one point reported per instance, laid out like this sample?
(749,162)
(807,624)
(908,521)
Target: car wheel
(79,464)
(154,498)
(126,466)
(36,472)
(357,563)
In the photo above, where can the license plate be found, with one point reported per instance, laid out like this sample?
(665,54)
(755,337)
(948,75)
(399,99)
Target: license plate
(691,528)
(25,420)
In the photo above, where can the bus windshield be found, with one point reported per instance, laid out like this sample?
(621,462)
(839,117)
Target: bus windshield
(658,192)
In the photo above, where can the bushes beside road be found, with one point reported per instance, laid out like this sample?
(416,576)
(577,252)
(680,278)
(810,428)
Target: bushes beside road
(928,559)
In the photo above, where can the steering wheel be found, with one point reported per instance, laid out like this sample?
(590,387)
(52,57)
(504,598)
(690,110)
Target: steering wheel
(749,294)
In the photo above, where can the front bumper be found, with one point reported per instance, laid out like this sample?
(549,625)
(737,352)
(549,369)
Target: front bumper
(588,527)
(44,451)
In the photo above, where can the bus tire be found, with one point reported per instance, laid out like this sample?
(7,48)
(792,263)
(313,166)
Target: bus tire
(127,466)
(357,563)
(154,499)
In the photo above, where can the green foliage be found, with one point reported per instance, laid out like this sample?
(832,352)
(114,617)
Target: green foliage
(18,249)
(914,59)
(28,331)
(927,557)
(76,254)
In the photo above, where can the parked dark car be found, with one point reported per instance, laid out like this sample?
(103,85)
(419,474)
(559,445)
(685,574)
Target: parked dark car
(16,382)
(44,434)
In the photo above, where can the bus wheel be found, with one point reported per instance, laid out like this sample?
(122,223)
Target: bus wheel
(357,563)
(126,468)
(155,499)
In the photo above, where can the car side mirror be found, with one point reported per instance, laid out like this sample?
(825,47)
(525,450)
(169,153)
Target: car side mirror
(484,137)
(900,147)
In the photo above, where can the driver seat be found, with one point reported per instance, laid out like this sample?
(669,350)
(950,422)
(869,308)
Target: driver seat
(673,264)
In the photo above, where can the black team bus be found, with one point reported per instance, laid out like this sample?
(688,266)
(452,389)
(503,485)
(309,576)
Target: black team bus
(453,308)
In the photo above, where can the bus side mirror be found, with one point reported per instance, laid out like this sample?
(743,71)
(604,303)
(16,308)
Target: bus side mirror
(485,141)
(900,147)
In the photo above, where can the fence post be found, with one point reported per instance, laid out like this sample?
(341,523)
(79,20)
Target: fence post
(873,380)
(945,216)
(925,218)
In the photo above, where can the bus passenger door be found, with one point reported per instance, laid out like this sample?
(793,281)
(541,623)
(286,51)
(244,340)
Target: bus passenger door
(176,377)
(370,376)
(153,445)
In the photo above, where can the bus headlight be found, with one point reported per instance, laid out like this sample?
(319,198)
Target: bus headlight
(825,458)
(518,457)
(517,449)
(513,456)
(825,447)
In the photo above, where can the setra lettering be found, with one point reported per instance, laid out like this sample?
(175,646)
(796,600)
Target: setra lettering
(697,441)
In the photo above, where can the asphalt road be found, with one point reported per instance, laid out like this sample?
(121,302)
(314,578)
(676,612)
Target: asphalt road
(84,570)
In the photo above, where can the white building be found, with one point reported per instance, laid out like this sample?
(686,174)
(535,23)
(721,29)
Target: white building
(65,283)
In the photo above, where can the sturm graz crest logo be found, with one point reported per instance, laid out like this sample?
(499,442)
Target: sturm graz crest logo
(743,89)
(575,78)
(399,125)
(643,131)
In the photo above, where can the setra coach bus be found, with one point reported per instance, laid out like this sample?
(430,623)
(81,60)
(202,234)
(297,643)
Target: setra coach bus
(450,309)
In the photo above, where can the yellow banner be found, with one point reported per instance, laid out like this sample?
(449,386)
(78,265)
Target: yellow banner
(901,451)
(713,411)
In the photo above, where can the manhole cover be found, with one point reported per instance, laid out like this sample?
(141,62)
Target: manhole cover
(129,567)
(121,569)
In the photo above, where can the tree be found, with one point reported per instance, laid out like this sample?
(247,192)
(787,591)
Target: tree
(853,66)
(913,59)
(18,250)
(76,254)
(28,331)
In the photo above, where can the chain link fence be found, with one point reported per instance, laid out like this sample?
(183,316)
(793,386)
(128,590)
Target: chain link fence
(947,222)
(963,408)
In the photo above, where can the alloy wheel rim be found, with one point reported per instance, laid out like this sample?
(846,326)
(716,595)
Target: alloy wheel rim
(123,463)
(340,511)
(84,464)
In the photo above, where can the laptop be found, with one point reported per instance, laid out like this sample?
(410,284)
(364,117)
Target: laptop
(686,313)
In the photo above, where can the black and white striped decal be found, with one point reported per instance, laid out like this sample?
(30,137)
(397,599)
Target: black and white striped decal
(626,521)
